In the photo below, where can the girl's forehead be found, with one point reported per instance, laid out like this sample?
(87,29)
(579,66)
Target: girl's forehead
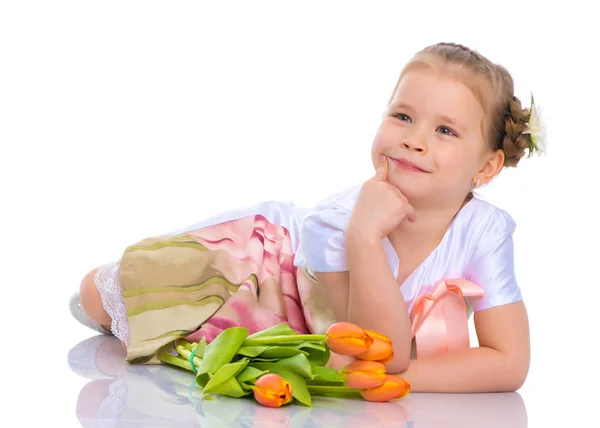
(478,85)
(435,91)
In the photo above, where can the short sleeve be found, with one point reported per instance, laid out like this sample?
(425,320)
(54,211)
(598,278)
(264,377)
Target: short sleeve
(492,264)
(321,246)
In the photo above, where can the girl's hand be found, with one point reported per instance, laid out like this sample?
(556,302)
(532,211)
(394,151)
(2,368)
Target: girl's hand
(380,207)
(338,362)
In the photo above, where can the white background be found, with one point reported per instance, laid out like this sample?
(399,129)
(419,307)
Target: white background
(123,119)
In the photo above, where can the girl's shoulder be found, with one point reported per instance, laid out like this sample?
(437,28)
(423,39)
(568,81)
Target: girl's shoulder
(486,232)
(321,239)
(480,221)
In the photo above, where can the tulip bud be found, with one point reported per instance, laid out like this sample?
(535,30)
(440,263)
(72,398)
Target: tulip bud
(394,387)
(361,374)
(272,390)
(345,338)
(380,350)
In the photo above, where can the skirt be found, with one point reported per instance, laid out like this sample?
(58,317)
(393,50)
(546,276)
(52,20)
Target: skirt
(195,284)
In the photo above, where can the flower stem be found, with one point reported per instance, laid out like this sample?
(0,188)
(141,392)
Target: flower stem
(333,390)
(186,354)
(189,346)
(176,361)
(273,340)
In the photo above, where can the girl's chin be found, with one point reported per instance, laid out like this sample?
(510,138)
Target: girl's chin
(407,186)
(417,194)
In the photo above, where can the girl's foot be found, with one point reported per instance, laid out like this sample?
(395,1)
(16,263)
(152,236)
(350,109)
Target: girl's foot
(79,314)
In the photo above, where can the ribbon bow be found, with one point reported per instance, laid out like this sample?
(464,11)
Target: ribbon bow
(439,318)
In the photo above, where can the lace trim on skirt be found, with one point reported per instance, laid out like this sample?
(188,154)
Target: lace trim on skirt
(107,282)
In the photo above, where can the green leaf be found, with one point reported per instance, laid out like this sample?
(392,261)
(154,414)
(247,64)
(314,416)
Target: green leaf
(246,386)
(202,379)
(250,374)
(252,351)
(220,383)
(265,360)
(298,364)
(282,352)
(278,330)
(270,352)
(299,388)
(222,350)
(230,387)
(326,375)
(317,352)
(247,377)
(201,348)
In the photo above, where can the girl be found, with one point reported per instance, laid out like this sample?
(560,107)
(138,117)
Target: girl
(397,255)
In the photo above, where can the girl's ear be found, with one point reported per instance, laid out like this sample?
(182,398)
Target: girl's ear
(492,166)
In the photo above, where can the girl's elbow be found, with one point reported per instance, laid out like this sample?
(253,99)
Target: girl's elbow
(399,363)
(518,381)
(517,377)
(512,386)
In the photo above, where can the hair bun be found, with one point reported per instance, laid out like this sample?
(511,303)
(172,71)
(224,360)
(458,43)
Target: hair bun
(517,139)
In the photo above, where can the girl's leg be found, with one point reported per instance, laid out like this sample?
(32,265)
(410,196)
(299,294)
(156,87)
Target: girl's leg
(91,301)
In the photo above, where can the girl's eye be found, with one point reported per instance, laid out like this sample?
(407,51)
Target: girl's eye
(403,117)
(447,131)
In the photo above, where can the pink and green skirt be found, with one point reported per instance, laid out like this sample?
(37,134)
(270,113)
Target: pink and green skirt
(198,283)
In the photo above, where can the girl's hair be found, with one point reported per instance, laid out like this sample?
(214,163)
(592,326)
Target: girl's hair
(493,86)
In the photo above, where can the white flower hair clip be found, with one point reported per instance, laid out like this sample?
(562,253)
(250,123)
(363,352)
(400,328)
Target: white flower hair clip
(536,130)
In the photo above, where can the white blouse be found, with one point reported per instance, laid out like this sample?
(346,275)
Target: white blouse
(478,246)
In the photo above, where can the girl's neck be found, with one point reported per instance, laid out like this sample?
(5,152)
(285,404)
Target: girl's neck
(429,226)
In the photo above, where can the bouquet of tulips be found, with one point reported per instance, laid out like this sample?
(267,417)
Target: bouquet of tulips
(277,365)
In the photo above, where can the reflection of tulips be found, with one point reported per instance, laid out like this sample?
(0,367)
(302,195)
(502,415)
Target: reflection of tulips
(272,390)
(394,387)
(380,350)
(361,374)
(345,338)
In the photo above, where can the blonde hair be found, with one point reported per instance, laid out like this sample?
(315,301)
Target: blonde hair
(493,87)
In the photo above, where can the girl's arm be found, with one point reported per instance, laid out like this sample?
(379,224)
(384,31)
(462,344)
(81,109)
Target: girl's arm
(369,296)
(499,364)
(374,299)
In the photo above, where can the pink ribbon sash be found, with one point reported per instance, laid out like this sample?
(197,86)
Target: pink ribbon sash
(439,318)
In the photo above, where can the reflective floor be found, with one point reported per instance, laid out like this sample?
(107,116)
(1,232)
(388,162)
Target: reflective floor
(121,395)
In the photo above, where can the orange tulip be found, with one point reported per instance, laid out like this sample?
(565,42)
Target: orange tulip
(345,338)
(394,387)
(272,390)
(361,374)
(381,349)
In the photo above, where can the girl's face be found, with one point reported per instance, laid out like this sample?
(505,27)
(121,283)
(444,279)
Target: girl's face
(436,124)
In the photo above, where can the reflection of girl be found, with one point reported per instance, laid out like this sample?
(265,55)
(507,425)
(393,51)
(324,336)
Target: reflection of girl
(365,255)
(119,392)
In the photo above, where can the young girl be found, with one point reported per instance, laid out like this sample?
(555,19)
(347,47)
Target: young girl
(398,255)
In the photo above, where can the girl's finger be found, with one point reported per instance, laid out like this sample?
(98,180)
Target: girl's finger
(382,170)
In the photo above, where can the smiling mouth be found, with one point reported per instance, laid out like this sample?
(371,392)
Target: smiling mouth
(406,166)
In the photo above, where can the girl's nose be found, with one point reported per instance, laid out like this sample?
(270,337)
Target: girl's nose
(415,142)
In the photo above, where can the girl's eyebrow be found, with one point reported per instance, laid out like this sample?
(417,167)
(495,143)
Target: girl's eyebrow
(450,120)
(401,105)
